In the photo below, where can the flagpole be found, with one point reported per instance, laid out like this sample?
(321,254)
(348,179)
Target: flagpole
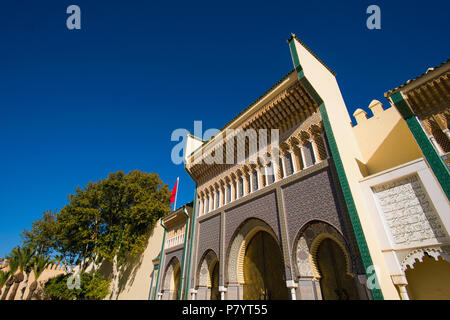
(176,194)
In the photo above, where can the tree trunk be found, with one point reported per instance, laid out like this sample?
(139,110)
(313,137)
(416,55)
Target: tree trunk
(24,287)
(33,287)
(8,285)
(18,278)
(115,279)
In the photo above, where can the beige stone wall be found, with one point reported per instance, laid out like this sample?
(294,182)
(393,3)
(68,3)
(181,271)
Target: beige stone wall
(51,272)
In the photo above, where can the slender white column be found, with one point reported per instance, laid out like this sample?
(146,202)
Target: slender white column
(292,286)
(222,291)
(436,145)
(225,194)
(233,190)
(403,292)
(314,147)
(193,294)
(302,153)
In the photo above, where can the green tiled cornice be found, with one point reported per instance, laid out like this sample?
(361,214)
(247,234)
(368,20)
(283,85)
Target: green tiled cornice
(434,160)
(354,218)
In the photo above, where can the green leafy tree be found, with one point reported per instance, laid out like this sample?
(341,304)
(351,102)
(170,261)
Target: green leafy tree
(42,235)
(111,218)
(40,263)
(108,219)
(92,287)
(77,226)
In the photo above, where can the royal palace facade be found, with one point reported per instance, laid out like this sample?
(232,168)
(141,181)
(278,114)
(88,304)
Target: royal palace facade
(330,211)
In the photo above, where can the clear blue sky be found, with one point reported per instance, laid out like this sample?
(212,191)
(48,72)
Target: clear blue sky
(76,105)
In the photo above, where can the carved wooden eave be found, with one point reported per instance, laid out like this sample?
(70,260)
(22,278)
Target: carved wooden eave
(430,97)
(429,94)
(287,108)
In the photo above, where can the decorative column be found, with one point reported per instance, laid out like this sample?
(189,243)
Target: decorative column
(246,177)
(211,199)
(284,152)
(216,196)
(193,293)
(297,158)
(227,194)
(401,283)
(277,169)
(206,204)
(447,132)
(222,193)
(291,285)
(233,187)
(318,147)
(302,154)
(315,132)
(201,197)
(304,138)
(238,184)
(222,291)
(260,170)
(315,150)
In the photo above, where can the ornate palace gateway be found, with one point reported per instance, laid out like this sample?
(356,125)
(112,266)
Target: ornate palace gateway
(318,212)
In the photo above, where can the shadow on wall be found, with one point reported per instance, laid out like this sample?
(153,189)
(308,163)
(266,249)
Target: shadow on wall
(397,148)
(128,270)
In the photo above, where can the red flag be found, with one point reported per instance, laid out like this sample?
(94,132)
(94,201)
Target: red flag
(174,192)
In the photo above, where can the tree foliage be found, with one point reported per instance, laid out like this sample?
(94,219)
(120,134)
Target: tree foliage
(92,287)
(111,217)
(42,233)
(4,275)
(108,219)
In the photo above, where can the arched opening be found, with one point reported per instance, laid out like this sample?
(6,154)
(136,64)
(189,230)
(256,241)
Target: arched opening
(429,279)
(176,281)
(215,294)
(171,280)
(335,282)
(263,269)
(208,276)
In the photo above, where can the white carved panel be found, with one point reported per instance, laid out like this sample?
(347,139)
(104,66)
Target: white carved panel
(408,213)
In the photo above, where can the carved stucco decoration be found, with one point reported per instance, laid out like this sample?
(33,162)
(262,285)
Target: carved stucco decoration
(407,210)
(418,254)
(204,277)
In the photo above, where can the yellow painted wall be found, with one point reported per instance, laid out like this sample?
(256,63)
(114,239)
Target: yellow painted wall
(384,140)
(429,280)
(326,85)
(136,279)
